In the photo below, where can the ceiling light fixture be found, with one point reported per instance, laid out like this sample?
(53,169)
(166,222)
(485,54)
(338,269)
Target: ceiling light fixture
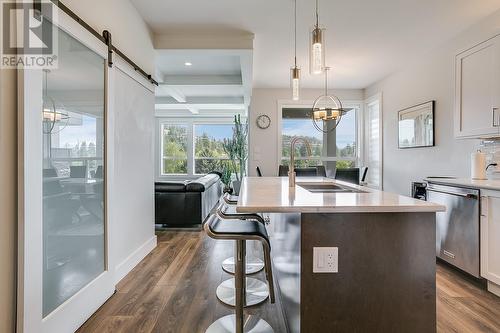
(187,63)
(295,70)
(317,47)
(328,109)
(53,112)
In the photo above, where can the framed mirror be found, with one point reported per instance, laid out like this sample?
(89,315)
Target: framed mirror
(416,126)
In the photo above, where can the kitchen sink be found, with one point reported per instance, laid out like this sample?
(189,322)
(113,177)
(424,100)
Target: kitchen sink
(328,188)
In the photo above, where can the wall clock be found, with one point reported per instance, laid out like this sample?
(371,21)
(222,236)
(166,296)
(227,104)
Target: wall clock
(263,121)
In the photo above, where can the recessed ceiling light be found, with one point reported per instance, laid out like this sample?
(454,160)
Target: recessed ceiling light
(187,63)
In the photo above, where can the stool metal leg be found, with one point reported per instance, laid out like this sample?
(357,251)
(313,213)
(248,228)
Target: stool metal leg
(253,264)
(236,323)
(257,292)
(253,324)
(269,272)
(240,284)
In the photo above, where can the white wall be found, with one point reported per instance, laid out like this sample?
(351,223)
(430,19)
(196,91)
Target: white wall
(8,198)
(265,101)
(430,78)
(129,31)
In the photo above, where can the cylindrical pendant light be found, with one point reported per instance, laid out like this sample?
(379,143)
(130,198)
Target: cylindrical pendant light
(317,47)
(295,70)
(295,82)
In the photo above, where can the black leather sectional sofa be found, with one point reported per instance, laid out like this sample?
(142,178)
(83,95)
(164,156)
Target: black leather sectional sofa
(182,204)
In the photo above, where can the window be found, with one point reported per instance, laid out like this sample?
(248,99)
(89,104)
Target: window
(296,124)
(209,154)
(174,148)
(336,149)
(192,147)
(373,142)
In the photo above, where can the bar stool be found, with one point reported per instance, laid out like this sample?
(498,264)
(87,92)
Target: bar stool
(228,212)
(233,200)
(230,199)
(241,231)
(257,291)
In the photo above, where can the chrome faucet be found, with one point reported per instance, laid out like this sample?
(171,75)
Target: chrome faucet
(291,171)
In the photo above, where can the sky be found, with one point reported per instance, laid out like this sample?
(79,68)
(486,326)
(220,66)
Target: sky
(218,132)
(72,135)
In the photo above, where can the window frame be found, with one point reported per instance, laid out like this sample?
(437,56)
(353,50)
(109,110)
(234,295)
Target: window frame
(359,104)
(162,158)
(374,99)
(190,122)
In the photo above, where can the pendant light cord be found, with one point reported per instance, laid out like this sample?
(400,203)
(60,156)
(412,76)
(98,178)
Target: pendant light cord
(295,34)
(317,15)
(326,80)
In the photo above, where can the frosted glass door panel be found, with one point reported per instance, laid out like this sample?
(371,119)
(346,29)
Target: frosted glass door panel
(73,172)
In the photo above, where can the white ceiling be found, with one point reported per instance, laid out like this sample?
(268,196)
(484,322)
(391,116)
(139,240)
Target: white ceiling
(366,39)
(205,90)
(173,63)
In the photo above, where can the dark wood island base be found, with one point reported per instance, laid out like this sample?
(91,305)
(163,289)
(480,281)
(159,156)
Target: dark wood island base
(386,280)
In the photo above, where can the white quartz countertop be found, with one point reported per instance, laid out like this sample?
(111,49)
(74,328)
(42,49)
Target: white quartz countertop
(467,182)
(272,194)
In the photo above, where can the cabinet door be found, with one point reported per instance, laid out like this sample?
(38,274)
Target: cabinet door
(477,90)
(490,236)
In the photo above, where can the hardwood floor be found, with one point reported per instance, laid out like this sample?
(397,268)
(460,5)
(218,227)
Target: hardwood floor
(173,290)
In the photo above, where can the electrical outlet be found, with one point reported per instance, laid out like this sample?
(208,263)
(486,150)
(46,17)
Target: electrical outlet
(325,260)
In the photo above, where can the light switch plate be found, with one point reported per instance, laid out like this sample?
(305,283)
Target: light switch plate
(325,260)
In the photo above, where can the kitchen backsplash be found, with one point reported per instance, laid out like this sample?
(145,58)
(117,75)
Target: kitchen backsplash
(492,150)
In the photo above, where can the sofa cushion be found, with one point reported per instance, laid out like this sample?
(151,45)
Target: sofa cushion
(170,186)
(202,183)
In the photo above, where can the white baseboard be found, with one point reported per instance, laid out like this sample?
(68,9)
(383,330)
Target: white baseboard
(123,268)
(494,288)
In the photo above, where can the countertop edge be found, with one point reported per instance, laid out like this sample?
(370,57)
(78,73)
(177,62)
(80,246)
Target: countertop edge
(357,209)
(469,183)
(273,195)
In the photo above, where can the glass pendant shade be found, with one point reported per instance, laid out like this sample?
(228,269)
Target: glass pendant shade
(295,82)
(327,110)
(317,51)
(53,114)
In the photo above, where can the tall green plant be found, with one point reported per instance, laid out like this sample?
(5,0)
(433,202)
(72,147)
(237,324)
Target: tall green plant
(226,175)
(237,148)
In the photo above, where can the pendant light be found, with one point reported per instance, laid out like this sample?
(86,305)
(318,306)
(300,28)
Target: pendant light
(295,70)
(327,109)
(52,112)
(317,47)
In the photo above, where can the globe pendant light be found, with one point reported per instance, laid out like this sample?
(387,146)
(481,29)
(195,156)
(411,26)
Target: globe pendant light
(317,47)
(295,70)
(53,112)
(327,110)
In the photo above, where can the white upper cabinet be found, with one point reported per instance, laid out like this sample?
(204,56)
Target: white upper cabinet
(477,91)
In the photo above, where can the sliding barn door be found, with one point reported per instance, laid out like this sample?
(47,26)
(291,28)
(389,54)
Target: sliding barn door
(63,235)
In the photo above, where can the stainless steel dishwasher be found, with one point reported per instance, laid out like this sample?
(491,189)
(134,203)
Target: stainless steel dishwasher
(457,229)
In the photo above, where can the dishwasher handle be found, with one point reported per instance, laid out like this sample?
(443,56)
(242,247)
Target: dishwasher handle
(463,195)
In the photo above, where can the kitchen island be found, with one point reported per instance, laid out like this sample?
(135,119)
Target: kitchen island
(383,254)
